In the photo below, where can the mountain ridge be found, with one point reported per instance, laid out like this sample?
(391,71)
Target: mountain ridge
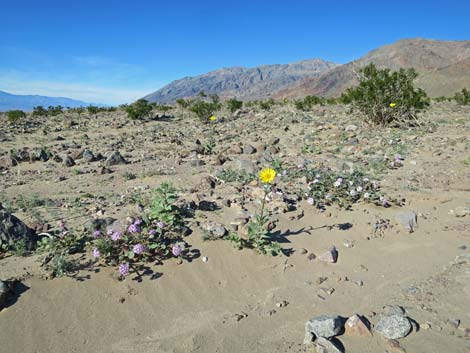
(10,101)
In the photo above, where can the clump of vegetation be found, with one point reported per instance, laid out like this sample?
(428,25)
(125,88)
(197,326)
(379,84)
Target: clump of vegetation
(260,237)
(154,236)
(183,103)
(230,175)
(203,109)
(138,110)
(386,97)
(327,187)
(463,97)
(54,110)
(267,104)
(14,116)
(309,102)
(233,104)
(39,111)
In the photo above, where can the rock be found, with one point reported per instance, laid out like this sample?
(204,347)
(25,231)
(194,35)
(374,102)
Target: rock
(115,158)
(323,345)
(461,211)
(245,165)
(4,292)
(88,156)
(39,154)
(68,161)
(393,326)
(329,256)
(13,230)
(216,230)
(98,224)
(408,220)
(197,163)
(303,251)
(350,128)
(248,149)
(323,326)
(357,326)
(236,149)
(205,205)
(6,162)
(205,259)
(389,310)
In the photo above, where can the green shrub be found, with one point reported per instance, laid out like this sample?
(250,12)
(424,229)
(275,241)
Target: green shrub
(386,97)
(39,111)
(204,110)
(267,104)
(233,104)
(463,97)
(14,115)
(138,110)
(183,103)
(308,102)
(53,111)
(92,110)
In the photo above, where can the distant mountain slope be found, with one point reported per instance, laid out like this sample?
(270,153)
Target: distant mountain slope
(242,83)
(444,68)
(10,101)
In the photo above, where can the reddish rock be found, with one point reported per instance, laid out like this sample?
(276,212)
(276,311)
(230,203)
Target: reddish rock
(357,326)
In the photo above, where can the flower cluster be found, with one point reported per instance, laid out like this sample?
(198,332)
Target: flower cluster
(138,242)
(327,187)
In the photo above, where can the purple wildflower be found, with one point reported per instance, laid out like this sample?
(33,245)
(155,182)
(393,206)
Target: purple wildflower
(176,250)
(96,234)
(310,200)
(134,228)
(124,269)
(138,249)
(110,232)
(116,235)
(96,253)
(152,232)
(161,224)
(138,222)
(61,224)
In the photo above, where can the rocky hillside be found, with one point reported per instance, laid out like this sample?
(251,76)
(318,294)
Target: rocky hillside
(244,83)
(444,68)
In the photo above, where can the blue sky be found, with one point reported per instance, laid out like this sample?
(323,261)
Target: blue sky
(117,51)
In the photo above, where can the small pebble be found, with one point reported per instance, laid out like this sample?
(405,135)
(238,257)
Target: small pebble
(205,259)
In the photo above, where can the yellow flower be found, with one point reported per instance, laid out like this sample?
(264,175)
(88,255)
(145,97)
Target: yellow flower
(212,118)
(267,175)
(392,105)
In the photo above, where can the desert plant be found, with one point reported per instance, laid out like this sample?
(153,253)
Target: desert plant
(92,110)
(308,102)
(267,104)
(138,110)
(162,207)
(53,111)
(386,97)
(14,115)
(39,111)
(233,104)
(183,103)
(259,232)
(462,97)
(205,110)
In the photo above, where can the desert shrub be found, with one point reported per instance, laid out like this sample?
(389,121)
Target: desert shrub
(39,111)
(442,99)
(386,97)
(54,110)
(92,110)
(230,175)
(462,97)
(14,115)
(233,104)
(203,109)
(183,103)
(161,107)
(308,102)
(138,110)
(267,104)
(163,207)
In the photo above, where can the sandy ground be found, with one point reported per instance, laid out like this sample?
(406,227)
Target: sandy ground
(230,303)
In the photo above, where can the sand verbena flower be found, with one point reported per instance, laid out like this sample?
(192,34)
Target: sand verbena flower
(267,175)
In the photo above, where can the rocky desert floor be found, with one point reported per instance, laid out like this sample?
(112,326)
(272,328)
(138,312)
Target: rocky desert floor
(239,300)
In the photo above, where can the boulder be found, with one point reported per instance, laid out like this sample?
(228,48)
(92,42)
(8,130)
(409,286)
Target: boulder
(13,230)
(393,326)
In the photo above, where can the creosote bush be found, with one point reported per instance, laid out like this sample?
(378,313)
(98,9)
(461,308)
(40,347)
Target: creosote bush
(386,97)
(205,109)
(233,104)
(14,115)
(463,97)
(308,102)
(138,110)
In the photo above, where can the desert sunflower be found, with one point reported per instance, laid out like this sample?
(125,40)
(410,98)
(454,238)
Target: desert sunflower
(267,175)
